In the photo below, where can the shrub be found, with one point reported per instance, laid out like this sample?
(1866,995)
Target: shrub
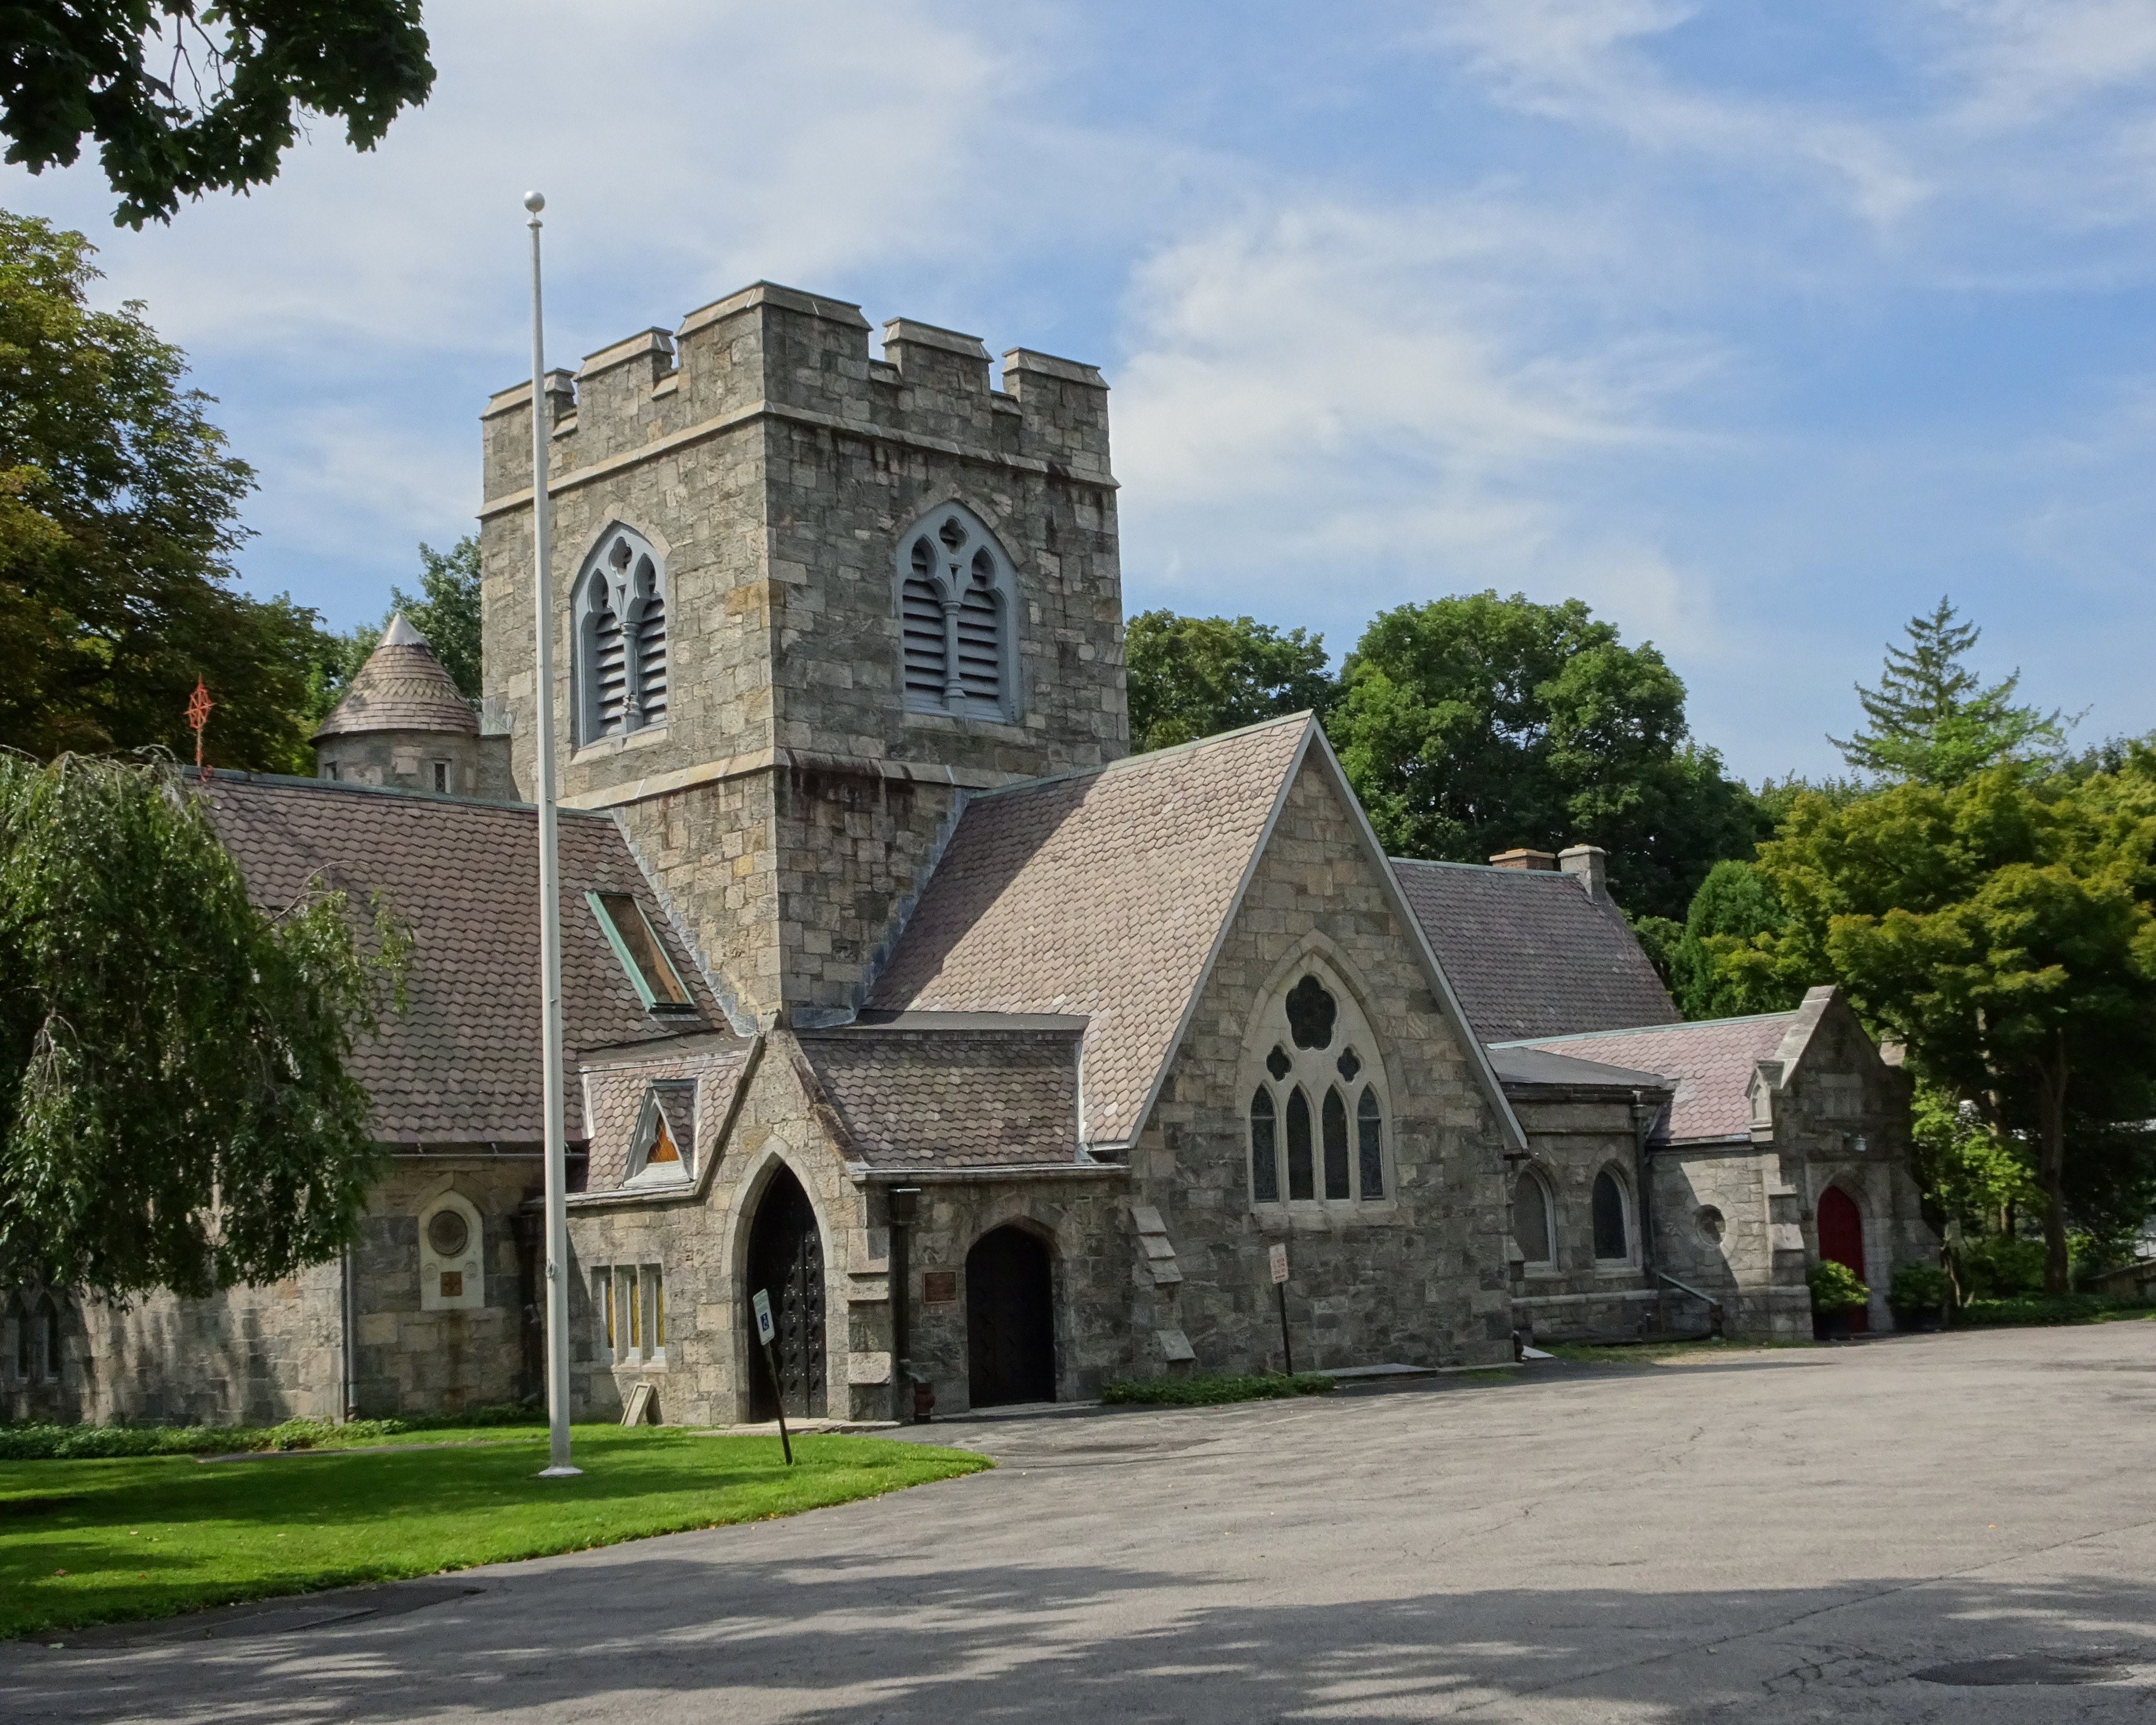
(2001,1266)
(1203,1390)
(1918,1287)
(1835,1287)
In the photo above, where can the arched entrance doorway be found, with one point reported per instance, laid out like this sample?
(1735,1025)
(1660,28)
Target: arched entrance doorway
(786,1259)
(1841,1237)
(1010,1319)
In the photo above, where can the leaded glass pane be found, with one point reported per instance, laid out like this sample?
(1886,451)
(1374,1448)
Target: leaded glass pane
(1264,1155)
(1310,1012)
(1301,1169)
(1530,1220)
(1336,1146)
(1278,1063)
(1609,1240)
(1370,1143)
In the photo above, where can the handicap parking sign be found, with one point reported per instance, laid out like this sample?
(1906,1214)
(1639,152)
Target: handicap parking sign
(764,1330)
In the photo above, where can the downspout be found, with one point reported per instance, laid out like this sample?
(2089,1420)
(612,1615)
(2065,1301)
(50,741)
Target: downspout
(349,1327)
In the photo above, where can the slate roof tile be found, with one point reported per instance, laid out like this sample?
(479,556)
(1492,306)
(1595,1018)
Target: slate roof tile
(950,1099)
(462,1063)
(1710,1060)
(1529,954)
(1098,894)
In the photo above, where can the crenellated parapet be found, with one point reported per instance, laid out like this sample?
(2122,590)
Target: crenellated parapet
(772,349)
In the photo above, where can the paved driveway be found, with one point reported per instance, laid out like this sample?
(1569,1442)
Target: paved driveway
(1769,1536)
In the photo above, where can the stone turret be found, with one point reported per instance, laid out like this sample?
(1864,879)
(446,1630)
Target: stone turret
(403,722)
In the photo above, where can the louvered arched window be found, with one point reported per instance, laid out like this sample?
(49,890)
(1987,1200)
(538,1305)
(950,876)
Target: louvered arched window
(958,648)
(620,614)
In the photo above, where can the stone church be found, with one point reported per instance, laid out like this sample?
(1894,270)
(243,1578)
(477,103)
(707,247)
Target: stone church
(897,987)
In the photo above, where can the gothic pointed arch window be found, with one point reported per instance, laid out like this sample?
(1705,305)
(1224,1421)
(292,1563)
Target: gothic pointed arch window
(1318,1113)
(957,617)
(619,612)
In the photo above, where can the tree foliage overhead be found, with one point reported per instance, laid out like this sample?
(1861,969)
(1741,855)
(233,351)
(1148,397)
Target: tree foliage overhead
(1932,721)
(180,99)
(119,512)
(2003,930)
(174,1107)
(1196,677)
(1474,724)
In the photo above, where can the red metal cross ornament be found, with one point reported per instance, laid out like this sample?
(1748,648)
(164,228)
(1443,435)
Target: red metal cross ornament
(198,706)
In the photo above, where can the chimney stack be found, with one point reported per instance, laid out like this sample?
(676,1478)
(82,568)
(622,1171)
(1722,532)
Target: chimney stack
(1588,865)
(1540,860)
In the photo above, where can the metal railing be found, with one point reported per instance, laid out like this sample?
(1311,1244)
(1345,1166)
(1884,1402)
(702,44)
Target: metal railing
(1714,1305)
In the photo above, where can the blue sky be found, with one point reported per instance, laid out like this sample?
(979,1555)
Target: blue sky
(1757,326)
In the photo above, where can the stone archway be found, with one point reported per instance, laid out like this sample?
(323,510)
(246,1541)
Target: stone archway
(1010,1319)
(786,1260)
(1841,1238)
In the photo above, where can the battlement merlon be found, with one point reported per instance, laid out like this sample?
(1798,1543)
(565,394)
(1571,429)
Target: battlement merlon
(773,349)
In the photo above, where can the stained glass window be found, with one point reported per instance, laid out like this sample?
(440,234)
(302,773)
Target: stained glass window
(1278,1063)
(1310,1012)
(1336,1147)
(1301,1171)
(1370,1143)
(1611,1236)
(1530,1220)
(1265,1153)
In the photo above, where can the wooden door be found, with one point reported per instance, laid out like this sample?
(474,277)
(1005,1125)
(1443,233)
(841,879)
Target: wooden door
(786,1260)
(1841,1238)
(1010,1319)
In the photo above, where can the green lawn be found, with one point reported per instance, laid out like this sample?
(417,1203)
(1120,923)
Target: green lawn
(103,1542)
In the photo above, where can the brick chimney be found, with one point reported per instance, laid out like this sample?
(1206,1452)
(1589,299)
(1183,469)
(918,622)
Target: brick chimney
(1588,865)
(1525,859)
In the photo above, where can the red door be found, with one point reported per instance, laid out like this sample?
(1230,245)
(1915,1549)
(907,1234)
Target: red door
(1841,1237)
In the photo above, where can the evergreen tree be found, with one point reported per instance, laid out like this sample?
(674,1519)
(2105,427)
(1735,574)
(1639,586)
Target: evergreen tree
(1932,721)
(1731,912)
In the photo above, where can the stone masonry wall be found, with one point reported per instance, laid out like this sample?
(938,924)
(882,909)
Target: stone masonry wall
(776,466)
(1421,1280)
(1572,1136)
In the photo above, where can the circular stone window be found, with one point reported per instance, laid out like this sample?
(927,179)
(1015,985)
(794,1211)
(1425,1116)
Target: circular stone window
(1712,1227)
(448,1232)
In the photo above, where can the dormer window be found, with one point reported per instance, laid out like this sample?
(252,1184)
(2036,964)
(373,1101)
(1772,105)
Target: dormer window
(957,597)
(629,932)
(620,642)
(665,1132)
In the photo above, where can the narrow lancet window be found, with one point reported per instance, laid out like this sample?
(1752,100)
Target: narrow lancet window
(1301,1171)
(1265,1152)
(1336,1147)
(1370,1143)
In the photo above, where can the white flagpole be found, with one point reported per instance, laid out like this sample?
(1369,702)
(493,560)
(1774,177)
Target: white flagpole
(550,900)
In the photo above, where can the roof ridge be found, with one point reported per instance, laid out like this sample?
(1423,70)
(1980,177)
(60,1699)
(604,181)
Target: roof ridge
(348,787)
(1586,1036)
(1145,757)
(1487,868)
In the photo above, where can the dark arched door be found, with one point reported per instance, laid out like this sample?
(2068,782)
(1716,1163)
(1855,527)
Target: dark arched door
(1010,1319)
(786,1260)
(1841,1237)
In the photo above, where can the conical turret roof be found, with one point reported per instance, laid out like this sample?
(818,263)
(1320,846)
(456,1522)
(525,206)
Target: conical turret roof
(402,687)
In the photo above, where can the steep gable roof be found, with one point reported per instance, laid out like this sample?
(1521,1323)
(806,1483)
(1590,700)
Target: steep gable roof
(1530,953)
(402,687)
(1711,1062)
(462,1063)
(1106,895)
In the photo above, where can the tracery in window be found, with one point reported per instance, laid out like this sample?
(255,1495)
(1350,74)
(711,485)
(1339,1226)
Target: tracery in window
(1318,1107)
(956,595)
(619,611)
(1534,1224)
(1613,1234)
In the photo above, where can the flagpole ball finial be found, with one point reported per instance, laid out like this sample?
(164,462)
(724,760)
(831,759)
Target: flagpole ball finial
(535,201)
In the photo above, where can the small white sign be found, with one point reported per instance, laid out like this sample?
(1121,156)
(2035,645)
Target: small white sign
(764,1328)
(1280,1263)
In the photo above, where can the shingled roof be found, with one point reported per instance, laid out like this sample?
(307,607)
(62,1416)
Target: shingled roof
(402,687)
(1530,953)
(1712,1063)
(1098,894)
(462,1064)
(922,1097)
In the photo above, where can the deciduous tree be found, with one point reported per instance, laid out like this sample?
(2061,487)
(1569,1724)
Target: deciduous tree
(174,1107)
(1196,677)
(180,99)
(1473,724)
(119,515)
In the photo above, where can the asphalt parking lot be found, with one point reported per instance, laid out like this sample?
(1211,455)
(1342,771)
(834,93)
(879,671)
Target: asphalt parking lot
(1952,1528)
